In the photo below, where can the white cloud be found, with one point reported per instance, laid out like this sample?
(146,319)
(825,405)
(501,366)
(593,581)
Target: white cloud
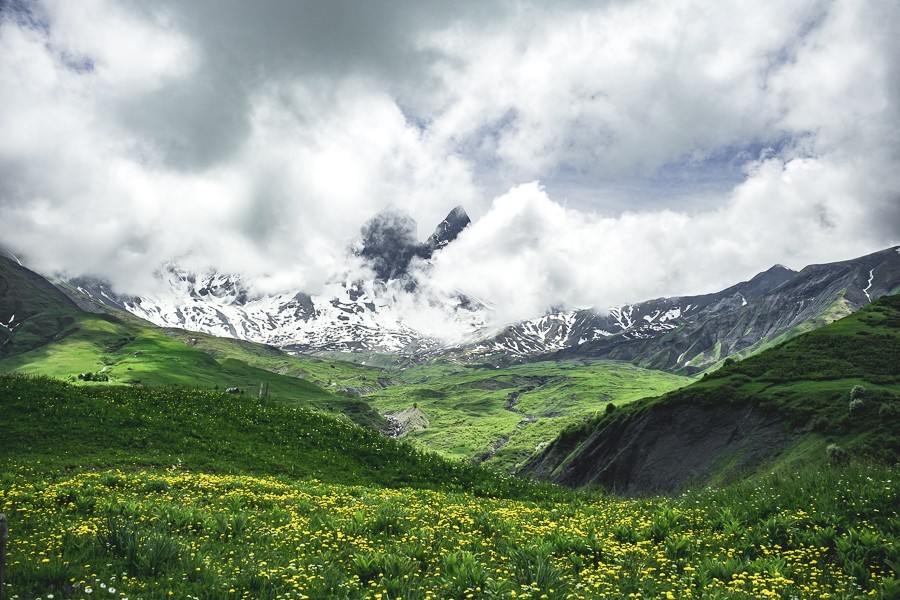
(529,252)
(259,138)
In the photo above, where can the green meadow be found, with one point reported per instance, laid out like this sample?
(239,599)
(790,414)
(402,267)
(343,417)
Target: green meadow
(118,492)
(504,415)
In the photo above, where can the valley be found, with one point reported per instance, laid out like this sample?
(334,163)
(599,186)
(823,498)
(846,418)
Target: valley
(396,300)
(501,416)
(148,461)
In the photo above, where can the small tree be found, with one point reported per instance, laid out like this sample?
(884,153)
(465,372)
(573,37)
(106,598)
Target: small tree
(858,391)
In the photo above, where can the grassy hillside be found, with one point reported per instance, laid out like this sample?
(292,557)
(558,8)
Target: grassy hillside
(334,375)
(842,381)
(111,352)
(828,395)
(47,334)
(167,492)
(32,311)
(503,415)
(62,426)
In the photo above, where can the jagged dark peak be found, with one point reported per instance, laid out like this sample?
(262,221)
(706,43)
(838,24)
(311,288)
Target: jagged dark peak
(448,229)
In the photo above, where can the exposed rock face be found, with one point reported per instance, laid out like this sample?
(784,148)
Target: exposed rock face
(662,449)
(448,230)
(389,243)
(406,420)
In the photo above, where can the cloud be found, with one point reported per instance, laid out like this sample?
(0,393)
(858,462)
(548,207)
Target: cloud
(529,252)
(680,145)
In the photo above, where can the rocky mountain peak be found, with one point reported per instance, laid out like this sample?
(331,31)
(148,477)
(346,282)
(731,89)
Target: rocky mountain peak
(765,282)
(448,229)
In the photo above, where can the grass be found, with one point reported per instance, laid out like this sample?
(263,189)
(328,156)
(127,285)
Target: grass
(150,533)
(66,427)
(333,375)
(126,353)
(505,414)
(166,491)
(160,492)
(471,412)
(808,382)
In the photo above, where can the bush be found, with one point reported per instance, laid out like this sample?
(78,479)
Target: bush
(836,454)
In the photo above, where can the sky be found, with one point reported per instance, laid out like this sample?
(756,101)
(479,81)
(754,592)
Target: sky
(607,152)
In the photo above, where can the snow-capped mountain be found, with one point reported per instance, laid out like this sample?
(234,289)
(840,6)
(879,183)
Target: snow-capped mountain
(349,315)
(373,314)
(691,333)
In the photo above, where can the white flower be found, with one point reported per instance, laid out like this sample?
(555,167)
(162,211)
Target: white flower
(88,590)
(112,590)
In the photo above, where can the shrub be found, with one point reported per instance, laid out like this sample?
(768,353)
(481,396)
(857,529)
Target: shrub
(836,455)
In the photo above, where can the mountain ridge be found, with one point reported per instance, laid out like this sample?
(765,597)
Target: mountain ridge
(361,316)
(688,334)
(834,387)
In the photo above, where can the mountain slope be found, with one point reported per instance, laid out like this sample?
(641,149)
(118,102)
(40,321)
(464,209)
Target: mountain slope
(51,336)
(690,334)
(32,311)
(351,314)
(793,400)
(84,428)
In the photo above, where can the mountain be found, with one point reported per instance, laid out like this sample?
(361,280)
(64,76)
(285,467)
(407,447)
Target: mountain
(33,311)
(349,315)
(367,316)
(689,334)
(45,333)
(824,395)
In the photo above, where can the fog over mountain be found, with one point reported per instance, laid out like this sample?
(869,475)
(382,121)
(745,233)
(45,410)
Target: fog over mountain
(606,152)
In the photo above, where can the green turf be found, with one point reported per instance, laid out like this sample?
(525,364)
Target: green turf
(58,426)
(468,407)
(836,386)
